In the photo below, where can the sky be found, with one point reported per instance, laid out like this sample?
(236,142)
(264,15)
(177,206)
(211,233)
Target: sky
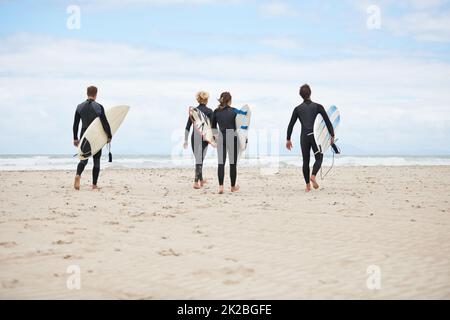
(385,64)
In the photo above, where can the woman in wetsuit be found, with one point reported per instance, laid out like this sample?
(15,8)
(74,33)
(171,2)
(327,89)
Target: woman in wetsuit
(307,113)
(199,147)
(227,141)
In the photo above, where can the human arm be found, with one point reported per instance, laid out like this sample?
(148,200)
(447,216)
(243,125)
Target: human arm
(291,125)
(327,121)
(105,123)
(76,124)
(186,132)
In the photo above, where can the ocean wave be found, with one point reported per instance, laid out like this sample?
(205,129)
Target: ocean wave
(53,162)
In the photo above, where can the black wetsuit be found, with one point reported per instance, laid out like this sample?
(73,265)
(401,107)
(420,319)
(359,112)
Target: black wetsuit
(307,113)
(87,112)
(227,142)
(199,147)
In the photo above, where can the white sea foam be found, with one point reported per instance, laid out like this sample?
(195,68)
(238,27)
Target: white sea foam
(46,162)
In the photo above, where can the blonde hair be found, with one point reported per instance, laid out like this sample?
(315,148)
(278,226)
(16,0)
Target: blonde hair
(202,97)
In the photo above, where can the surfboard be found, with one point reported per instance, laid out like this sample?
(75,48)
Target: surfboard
(243,119)
(202,124)
(94,139)
(321,134)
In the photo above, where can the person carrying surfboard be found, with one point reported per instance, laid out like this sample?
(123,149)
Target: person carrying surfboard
(227,140)
(198,144)
(87,112)
(307,113)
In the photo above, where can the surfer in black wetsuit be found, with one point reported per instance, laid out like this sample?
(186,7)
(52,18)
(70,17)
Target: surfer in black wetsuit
(87,112)
(227,141)
(199,146)
(307,113)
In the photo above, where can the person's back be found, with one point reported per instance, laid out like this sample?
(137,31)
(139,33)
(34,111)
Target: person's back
(87,112)
(199,145)
(225,118)
(207,111)
(307,113)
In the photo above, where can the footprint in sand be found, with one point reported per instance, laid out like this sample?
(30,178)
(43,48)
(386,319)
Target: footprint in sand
(169,252)
(8,244)
(241,271)
(111,223)
(135,215)
(232,276)
(10,284)
(70,257)
(62,242)
(231,259)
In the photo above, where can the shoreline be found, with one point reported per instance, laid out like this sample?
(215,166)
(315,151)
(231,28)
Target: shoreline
(245,168)
(209,168)
(62,163)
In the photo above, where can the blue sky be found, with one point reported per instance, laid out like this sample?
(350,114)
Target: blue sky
(391,83)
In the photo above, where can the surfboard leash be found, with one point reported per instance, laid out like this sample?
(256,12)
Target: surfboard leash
(323,176)
(336,150)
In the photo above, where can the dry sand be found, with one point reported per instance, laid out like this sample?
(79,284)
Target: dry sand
(148,235)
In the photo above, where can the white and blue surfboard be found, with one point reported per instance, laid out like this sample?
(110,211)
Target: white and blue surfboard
(242,125)
(321,134)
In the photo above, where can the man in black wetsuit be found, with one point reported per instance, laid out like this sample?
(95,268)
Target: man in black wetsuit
(87,112)
(307,113)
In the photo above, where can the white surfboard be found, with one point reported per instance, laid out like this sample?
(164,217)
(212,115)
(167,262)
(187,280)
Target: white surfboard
(243,119)
(202,124)
(94,139)
(321,134)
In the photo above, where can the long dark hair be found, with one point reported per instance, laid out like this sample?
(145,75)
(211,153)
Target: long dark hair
(224,100)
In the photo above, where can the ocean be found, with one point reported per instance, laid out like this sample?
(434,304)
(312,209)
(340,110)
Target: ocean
(67,162)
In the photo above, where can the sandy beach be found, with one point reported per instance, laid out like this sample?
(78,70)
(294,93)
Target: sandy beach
(148,235)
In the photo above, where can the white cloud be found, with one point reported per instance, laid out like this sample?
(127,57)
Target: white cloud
(43,79)
(423,20)
(277,9)
(430,27)
(283,43)
(423,4)
(108,4)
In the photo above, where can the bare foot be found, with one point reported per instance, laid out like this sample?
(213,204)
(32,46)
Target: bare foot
(203,182)
(95,187)
(221,190)
(197,185)
(235,189)
(76,184)
(308,188)
(314,182)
